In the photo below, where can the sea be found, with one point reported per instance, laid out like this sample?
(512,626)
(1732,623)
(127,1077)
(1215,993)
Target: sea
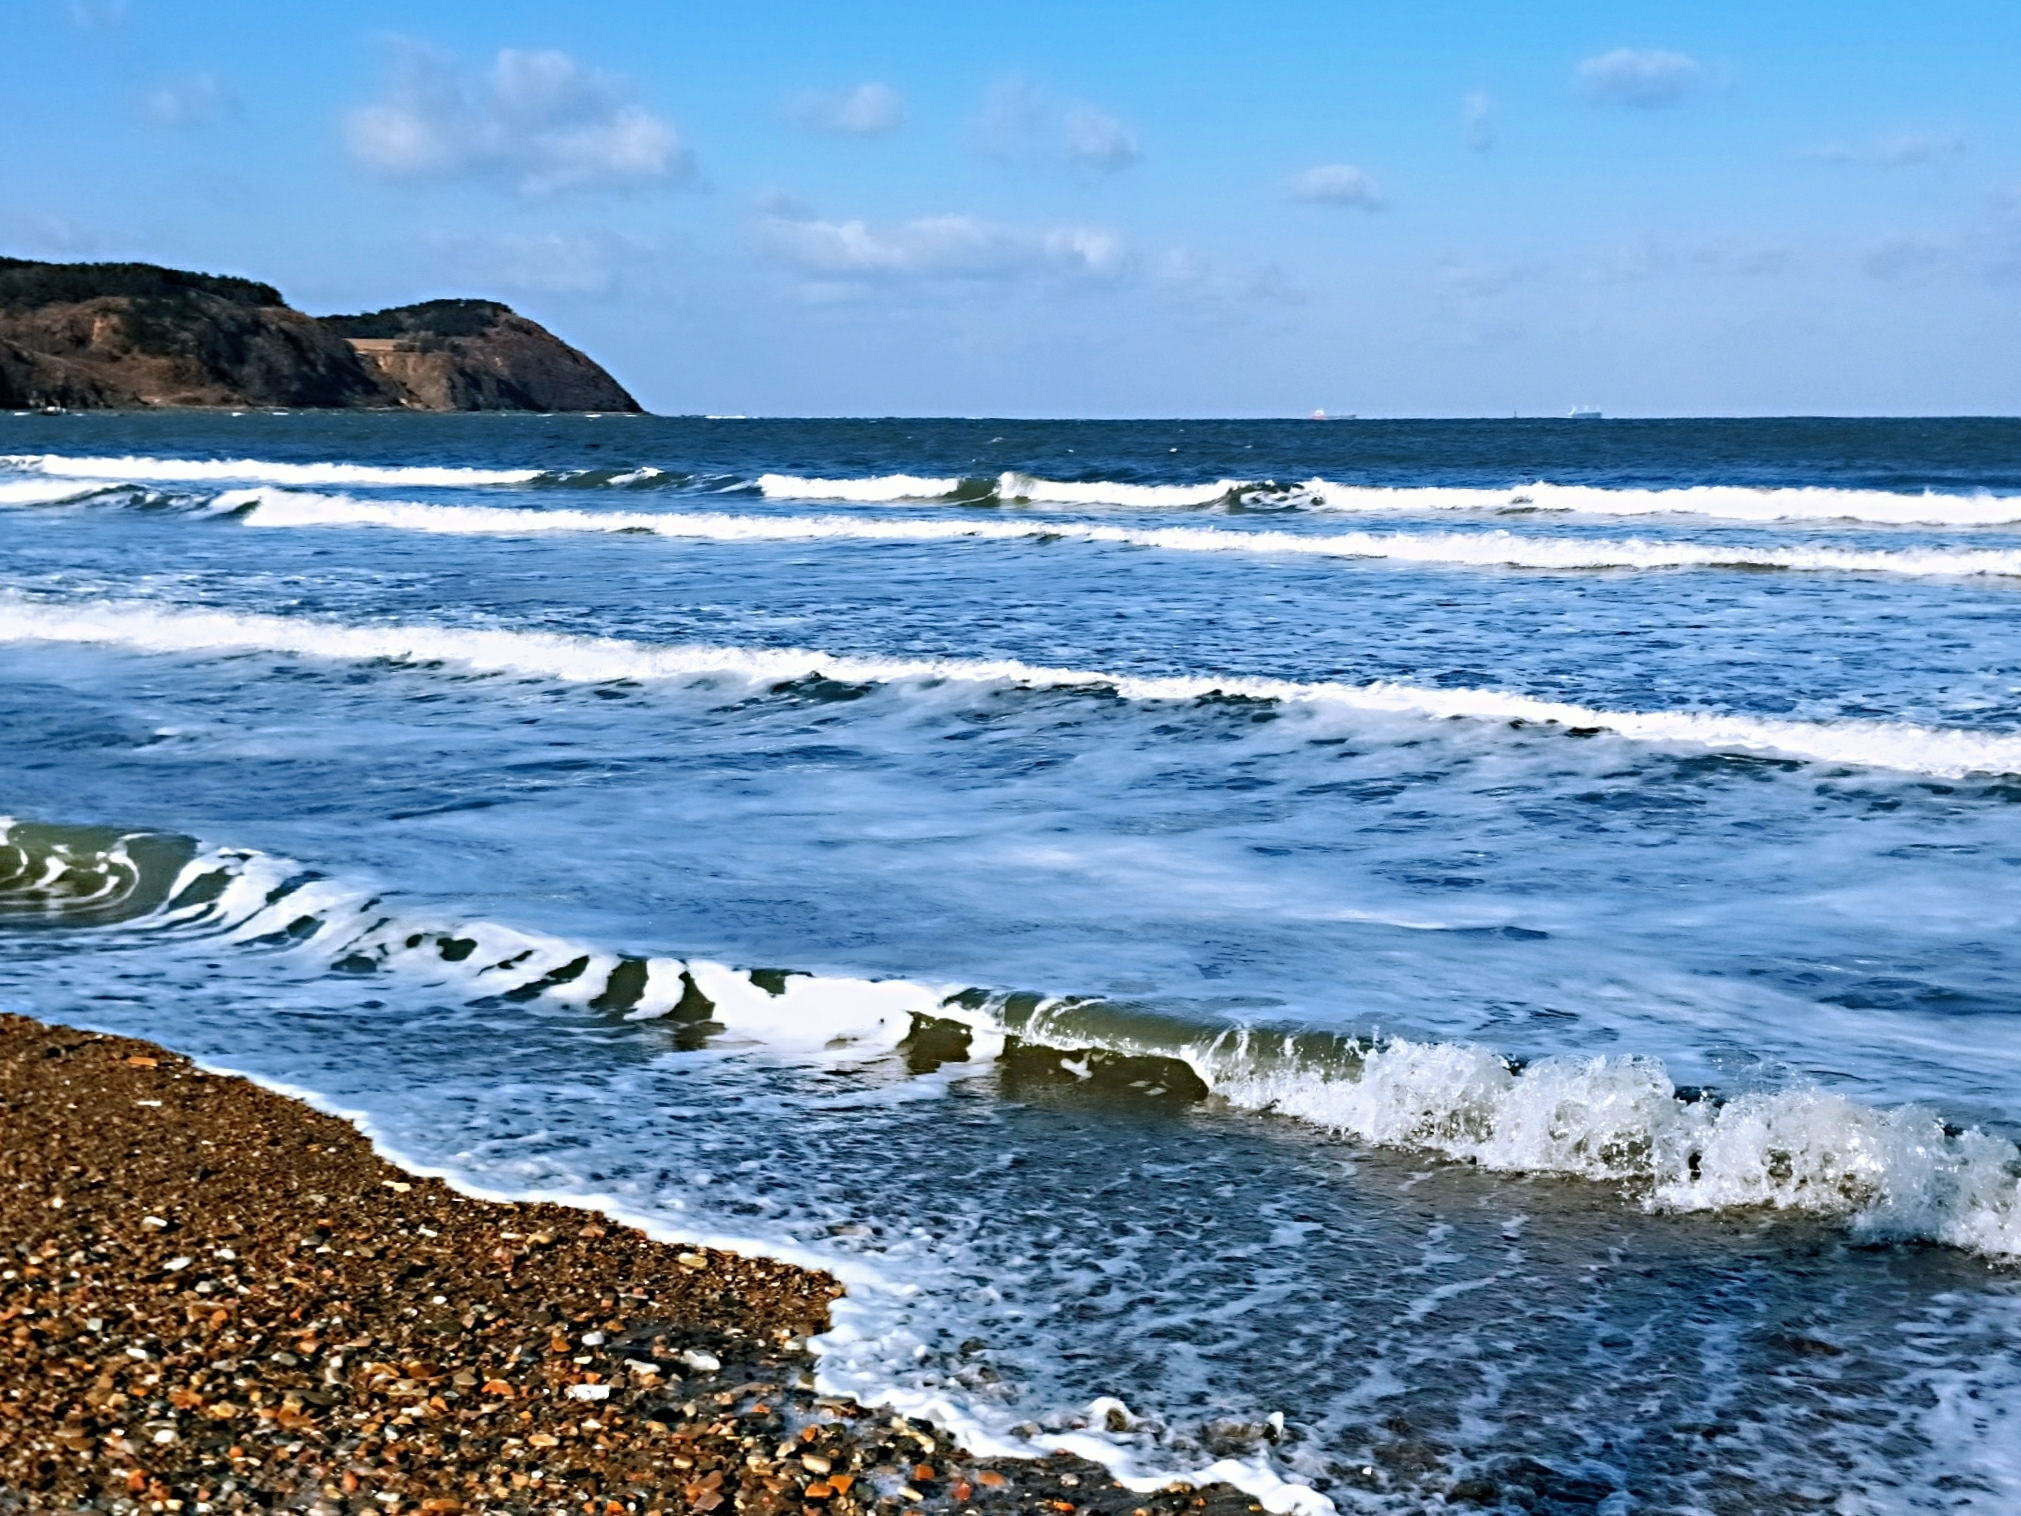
(1408,965)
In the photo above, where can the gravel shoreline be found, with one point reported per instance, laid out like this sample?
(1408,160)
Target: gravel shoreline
(215,1299)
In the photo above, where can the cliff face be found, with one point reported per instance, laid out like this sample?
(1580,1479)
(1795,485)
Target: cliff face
(129,335)
(477,355)
(133,336)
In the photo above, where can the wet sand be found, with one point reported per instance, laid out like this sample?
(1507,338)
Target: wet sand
(214,1299)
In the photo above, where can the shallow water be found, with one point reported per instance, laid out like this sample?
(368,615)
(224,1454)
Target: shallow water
(1574,863)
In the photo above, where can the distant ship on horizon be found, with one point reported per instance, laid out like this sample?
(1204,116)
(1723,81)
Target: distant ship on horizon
(1582,413)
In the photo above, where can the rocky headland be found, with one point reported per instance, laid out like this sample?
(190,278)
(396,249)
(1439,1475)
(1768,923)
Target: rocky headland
(133,336)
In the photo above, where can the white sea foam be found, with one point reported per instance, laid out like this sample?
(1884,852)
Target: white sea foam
(1035,491)
(1729,502)
(863,491)
(1892,1173)
(47,491)
(1492,549)
(1884,1173)
(1940,751)
(256,470)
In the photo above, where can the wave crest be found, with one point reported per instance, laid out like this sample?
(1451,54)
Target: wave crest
(1488,549)
(255,471)
(1944,752)
(1888,1173)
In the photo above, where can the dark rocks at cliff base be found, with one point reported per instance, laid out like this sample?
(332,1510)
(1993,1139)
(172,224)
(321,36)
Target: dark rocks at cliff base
(132,336)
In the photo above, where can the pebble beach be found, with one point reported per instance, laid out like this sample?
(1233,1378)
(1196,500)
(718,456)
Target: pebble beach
(214,1298)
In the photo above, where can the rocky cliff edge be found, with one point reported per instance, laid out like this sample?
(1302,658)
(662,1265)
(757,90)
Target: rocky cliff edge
(132,336)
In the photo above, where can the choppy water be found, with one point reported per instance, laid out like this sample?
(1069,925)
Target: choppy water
(1397,963)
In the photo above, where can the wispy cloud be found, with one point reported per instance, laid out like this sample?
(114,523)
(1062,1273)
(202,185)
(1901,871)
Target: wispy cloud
(1008,122)
(45,233)
(539,122)
(1099,140)
(937,248)
(1739,258)
(1477,121)
(96,15)
(1902,150)
(1019,121)
(194,100)
(864,110)
(1630,262)
(1214,290)
(1906,256)
(1641,78)
(1474,280)
(1337,184)
(555,263)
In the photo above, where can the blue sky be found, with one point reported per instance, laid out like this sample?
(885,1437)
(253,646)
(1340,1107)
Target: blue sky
(1051,209)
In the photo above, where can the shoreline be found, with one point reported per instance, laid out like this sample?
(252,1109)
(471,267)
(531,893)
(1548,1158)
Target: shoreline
(216,1299)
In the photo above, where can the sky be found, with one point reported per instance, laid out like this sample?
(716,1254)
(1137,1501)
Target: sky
(1049,209)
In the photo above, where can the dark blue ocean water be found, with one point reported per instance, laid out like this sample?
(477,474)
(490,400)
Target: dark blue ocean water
(1491,943)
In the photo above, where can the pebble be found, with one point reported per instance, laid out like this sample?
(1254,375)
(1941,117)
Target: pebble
(374,1342)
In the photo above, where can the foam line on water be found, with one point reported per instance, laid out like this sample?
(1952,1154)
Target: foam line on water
(1945,752)
(1492,549)
(1891,1172)
(1728,502)
(256,470)
(864,491)
(1884,1173)
(47,491)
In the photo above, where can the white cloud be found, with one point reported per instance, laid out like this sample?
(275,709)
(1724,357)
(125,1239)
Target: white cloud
(1644,78)
(191,101)
(1482,281)
(1902,150)
(1204,286)
(1100,141)
(1337,184)
(1010,119)
(554,263)
(949,247)
(538,121)
(1742,259)
(1019,121)
(97,15)
(1477,120)
(867,110)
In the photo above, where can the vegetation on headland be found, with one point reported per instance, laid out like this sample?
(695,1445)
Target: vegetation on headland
(96,336)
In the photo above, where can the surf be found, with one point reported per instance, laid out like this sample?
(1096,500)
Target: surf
(1942,752)
(273,508)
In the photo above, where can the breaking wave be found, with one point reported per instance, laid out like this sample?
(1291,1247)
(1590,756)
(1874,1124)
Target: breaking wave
(1023,489)
(1889,1173)
(1945,752)
(1726,502)
(255,471)
(1490,549)
(51,491)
